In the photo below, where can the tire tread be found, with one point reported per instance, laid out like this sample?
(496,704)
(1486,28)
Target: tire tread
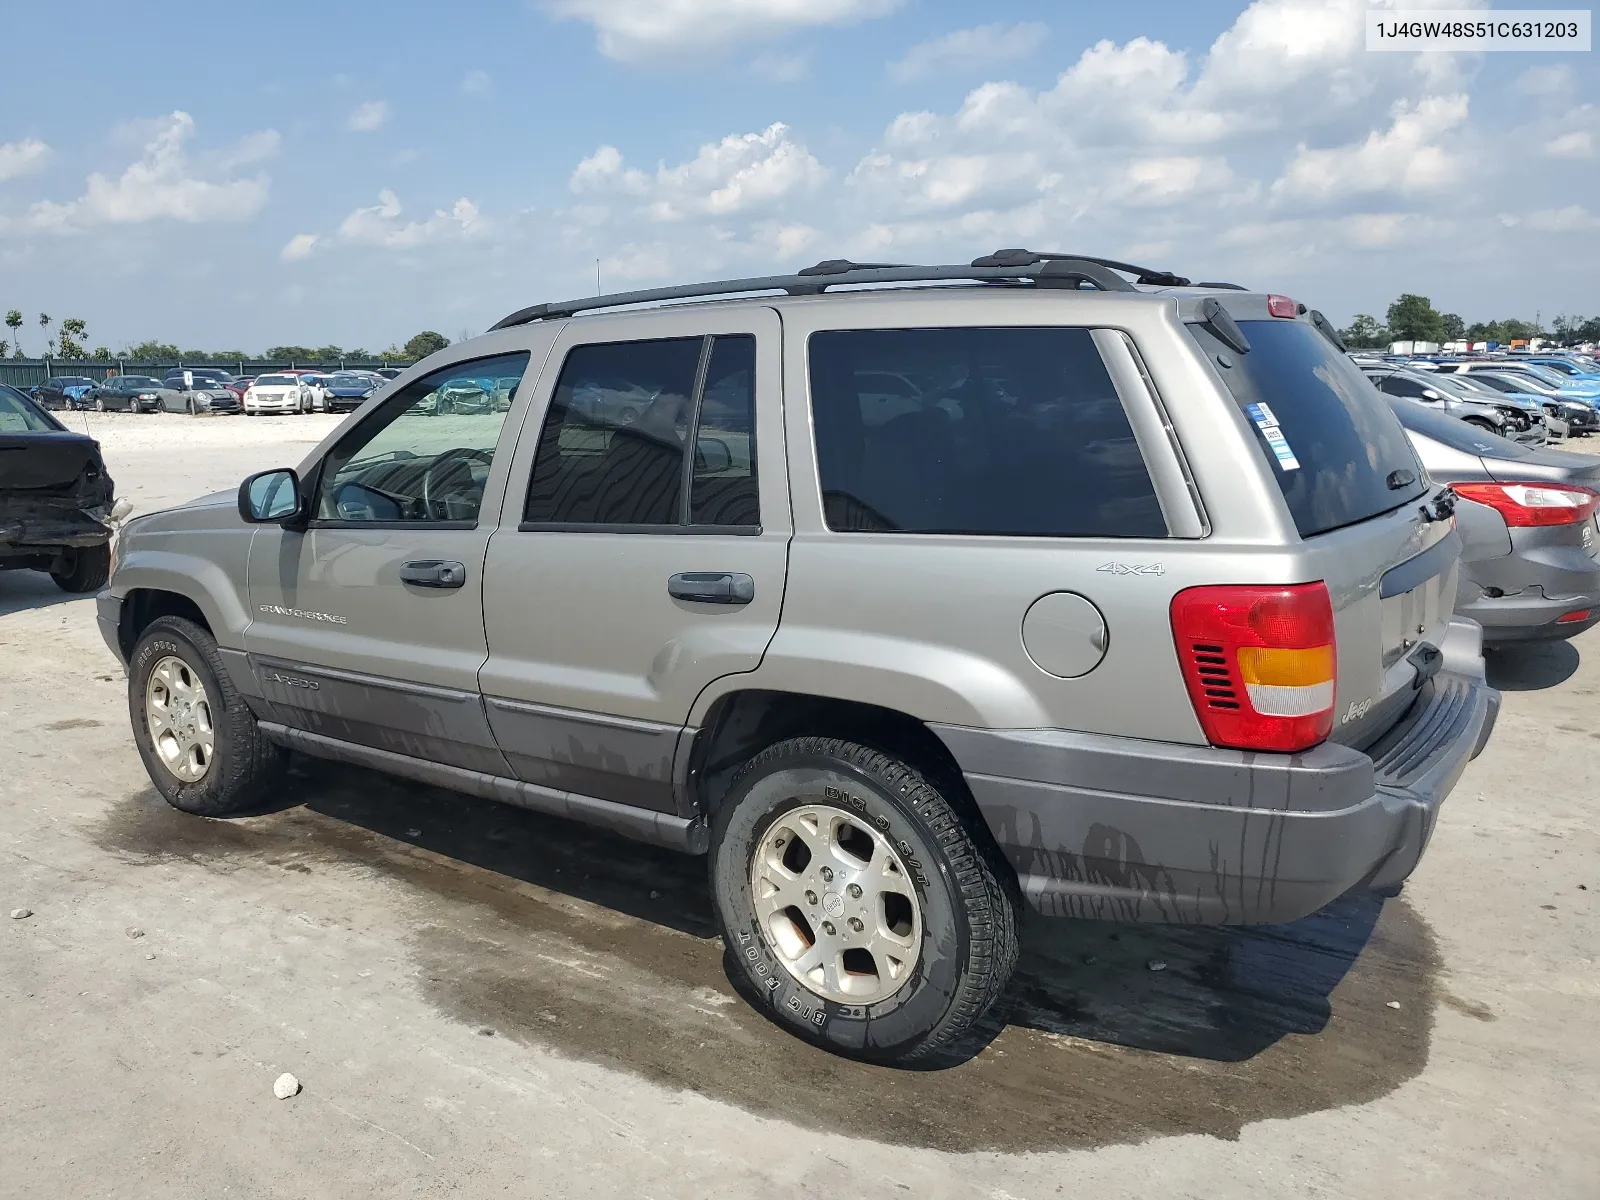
(975,866)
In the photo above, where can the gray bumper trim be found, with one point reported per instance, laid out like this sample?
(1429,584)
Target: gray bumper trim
(1123,829)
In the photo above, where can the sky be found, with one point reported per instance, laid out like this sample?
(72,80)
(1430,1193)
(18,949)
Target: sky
(238,176)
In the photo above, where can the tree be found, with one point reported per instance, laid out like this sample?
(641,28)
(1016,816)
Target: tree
(14,322)
(5,347)
(1364,333)
(291,353)
(101,354)
(1454,327)
(425,343)
(72,330)
(1412,318)
(50,342)
(151,352)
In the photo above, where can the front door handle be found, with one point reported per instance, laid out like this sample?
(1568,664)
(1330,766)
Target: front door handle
(433,573)
(712,587)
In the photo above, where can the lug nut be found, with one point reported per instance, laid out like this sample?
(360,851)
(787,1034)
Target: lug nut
(811,897)
(827,928)
(855,891)
(855,923)
(827,874)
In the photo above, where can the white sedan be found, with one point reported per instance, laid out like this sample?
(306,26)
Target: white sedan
(277,394)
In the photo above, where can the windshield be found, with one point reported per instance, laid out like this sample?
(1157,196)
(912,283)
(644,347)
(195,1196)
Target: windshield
(275,380)
(18,415)
(1337,451)
(139,381)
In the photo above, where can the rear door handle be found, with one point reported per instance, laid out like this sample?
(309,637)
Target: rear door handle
(433,573)
(712,587)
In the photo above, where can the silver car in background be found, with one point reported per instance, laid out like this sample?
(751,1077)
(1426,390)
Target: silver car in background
(1489,414)
(1529,565)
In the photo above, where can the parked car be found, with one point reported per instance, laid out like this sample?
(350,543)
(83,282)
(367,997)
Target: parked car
(278,393)
(1551,381)
(1581,417)
(467,395)
(1507,419)
(135,393)
(63,392)
(348,389)
(388,372)
(198,391)
(1577,370)
(55,498)
(1529,569)
(240,384)
(1146,616)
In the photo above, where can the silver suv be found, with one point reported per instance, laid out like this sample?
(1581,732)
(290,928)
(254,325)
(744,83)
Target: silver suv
(908,605)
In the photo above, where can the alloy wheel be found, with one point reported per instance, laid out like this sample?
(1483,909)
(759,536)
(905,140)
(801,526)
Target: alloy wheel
(836,904)
(178,715)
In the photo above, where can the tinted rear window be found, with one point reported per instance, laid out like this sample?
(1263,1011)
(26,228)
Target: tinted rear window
(1326,433)
(978,431)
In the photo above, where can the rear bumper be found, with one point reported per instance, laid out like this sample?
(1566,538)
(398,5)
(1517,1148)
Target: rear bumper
(1124,829)
(41,527)
(1541,580)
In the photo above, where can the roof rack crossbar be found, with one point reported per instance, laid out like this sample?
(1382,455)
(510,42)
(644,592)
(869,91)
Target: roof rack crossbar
(1062,272)
(1022,258)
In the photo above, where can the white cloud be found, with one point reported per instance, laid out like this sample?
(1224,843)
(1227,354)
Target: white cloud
(298,247)
(21,158)
(253,148)
(161,185)
(739,174)
(380,224)
(668,32)
(1579,143)
(368,117)
(1405,158)
(965,50)
(1573,218)
(475,82)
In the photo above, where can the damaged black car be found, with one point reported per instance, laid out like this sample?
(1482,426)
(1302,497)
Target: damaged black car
(55,498)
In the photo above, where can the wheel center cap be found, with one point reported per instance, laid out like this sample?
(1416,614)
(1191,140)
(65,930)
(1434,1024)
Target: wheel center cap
(833,904)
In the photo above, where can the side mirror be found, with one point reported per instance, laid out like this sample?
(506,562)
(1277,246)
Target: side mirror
(270,496)
(1430,394)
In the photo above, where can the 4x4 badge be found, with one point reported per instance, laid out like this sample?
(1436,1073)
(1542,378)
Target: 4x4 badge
(1116,568)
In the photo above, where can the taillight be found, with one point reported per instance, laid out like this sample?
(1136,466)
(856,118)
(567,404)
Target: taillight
(1282,306)
(1258,663)
(1527,504)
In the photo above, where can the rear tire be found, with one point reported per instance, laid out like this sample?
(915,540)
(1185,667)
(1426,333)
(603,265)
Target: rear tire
(243,765)
(86,569)
(948,898)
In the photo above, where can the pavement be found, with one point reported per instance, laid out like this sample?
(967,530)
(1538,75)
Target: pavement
(481,1001)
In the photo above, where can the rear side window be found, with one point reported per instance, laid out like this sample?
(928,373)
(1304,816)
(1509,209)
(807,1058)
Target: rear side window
(1337,452)
(611,452)
(978,431)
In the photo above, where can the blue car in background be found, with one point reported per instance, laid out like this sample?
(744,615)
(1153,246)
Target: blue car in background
(1576,369)
(64,392)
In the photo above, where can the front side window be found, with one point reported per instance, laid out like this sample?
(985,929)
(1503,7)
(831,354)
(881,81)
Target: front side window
(611,452)
(975,430)
(417,459)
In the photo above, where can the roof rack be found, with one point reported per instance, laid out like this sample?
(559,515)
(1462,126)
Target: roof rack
(1022,258)
(1044,271)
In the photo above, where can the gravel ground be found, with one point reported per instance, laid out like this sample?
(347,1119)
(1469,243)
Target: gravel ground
(479,1001)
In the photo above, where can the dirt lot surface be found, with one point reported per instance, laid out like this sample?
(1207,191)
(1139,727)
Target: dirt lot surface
(480,1001)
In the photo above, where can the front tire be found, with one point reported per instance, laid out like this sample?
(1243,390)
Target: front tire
(100,404)
(198,739)
(856,903)
(86,569)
